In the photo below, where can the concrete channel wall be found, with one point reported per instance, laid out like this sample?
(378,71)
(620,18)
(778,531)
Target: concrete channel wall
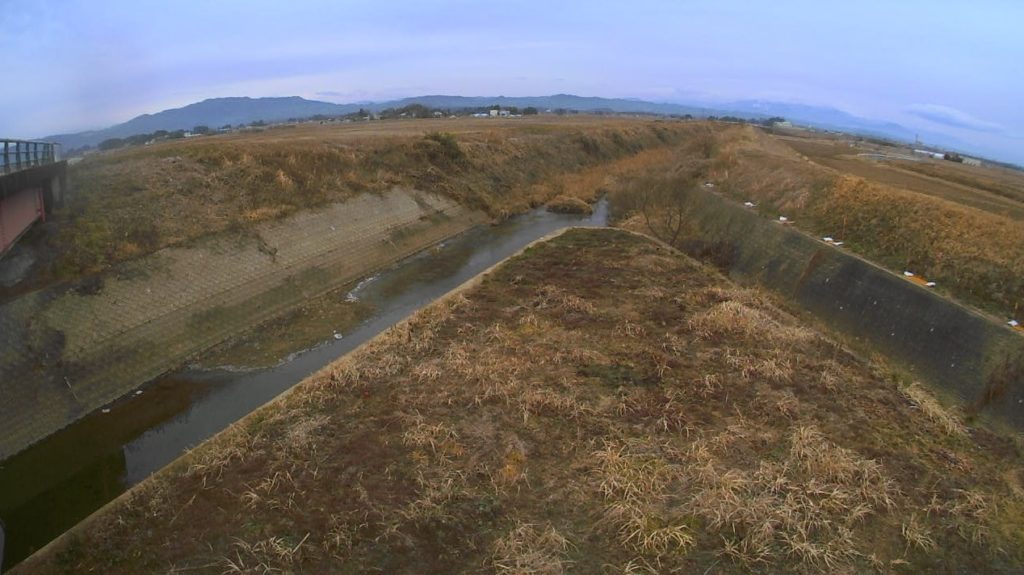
(952,347)
(66,352)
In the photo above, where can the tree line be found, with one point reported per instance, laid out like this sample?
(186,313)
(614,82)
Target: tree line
(139,139)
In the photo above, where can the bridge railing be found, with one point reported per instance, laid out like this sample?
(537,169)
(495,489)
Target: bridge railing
(21,154)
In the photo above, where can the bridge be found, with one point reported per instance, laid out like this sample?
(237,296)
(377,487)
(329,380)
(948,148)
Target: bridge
(33,181)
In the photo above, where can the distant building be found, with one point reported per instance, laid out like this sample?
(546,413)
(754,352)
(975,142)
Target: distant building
(494,113)
(936,155)
(972,161)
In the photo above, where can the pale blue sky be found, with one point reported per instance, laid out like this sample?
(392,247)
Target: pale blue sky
(950,67)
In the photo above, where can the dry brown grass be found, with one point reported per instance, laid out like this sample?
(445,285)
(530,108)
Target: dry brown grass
(132,202)
(581,409)
(531,550)
(569,205)
(918,534)
(945,418)
(996,180)
(270,555)
(237,445)
(637,482)
(973,253)
(996,190)
(730,319)
(805,506)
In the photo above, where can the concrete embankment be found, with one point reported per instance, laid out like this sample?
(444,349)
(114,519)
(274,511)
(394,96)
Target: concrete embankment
(949,345)
(65,352)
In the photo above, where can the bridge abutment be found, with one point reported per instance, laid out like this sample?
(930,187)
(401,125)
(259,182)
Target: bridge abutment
(33,182)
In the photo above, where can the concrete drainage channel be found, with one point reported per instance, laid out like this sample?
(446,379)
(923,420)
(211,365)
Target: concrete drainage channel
(66,352)
(972,356)
(52,485)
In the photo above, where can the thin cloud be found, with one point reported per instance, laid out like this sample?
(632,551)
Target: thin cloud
(953,118)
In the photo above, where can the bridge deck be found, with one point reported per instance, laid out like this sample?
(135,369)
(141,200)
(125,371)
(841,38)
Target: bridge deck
(22,154)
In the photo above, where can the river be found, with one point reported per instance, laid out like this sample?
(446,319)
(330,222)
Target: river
(56,483)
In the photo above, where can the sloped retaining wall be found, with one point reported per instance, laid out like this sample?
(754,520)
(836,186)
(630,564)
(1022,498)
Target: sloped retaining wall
(66,352)
(951,346)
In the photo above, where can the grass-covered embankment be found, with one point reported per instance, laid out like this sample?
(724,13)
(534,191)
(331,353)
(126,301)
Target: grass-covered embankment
(131,202)
(975,256)
(597,404)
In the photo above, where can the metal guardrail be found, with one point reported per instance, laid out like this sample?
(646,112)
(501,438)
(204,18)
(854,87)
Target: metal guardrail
(18,155)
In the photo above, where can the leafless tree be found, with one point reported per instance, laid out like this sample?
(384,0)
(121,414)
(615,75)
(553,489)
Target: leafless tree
(664,207)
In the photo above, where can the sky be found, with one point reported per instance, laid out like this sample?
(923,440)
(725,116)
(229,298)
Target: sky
(949,67)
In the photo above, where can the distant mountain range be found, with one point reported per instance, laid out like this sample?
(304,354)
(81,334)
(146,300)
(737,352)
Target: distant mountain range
(215,112)
(826,118)
(218,112)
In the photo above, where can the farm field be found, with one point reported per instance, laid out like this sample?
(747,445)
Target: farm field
(993,189)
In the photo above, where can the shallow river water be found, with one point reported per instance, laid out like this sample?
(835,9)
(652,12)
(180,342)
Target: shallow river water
(50,487)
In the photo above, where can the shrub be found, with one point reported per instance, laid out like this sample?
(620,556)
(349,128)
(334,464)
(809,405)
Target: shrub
(569,205)
(447,149)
